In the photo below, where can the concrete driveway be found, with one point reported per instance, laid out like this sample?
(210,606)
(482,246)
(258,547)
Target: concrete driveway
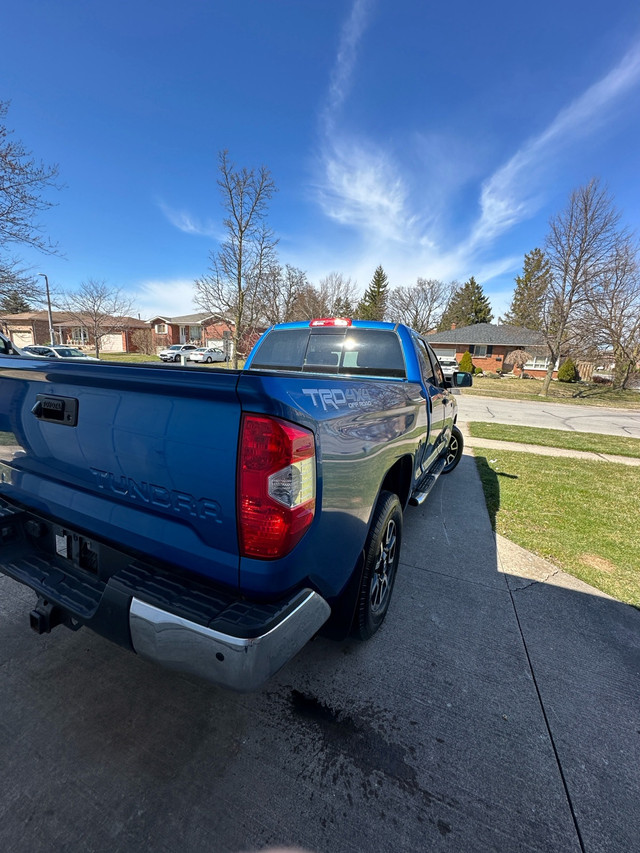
(492,712)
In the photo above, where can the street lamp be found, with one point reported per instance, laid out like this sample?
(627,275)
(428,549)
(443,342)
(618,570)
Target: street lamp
(52,338)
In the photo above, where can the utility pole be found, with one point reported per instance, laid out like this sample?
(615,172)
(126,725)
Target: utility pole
(52,337)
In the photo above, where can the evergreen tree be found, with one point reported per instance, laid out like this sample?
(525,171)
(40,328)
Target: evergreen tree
(528,297)
(467,307)
(13,302)
(373,304)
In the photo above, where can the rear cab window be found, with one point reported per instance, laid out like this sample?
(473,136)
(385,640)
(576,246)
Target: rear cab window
(353,351)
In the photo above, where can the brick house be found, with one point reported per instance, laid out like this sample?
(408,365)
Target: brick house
(202,329)
(490,345)
(32,327)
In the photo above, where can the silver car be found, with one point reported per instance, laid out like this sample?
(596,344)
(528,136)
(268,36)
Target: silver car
(208,355)
(176,351)
(57,351)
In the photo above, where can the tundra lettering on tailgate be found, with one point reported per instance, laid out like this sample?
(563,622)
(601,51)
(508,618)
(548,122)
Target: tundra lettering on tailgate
(157,496)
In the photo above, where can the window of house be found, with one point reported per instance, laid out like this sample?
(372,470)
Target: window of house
(79,335)
(478,350)
(160,328)
(195,333)
(538,362)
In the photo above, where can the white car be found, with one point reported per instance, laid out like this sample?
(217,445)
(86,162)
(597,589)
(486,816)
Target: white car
(57,351)
(208,355)
(449,365)
(174,352)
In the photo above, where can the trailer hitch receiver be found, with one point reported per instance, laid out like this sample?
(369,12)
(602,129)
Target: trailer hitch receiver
(45,616)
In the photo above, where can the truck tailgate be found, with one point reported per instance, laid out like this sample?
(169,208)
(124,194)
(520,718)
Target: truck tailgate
(141,456)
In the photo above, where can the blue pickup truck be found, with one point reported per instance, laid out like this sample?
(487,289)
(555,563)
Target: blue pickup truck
(215,520)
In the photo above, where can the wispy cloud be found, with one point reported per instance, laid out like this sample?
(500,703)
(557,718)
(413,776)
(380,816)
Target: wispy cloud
(399,208)
(362,187)
(510,194)
(184,221)
(360,184)
(345,60)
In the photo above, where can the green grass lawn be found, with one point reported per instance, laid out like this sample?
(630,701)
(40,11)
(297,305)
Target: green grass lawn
(127,357)
(578,393)
(589,441)
(7,438)
(579,515)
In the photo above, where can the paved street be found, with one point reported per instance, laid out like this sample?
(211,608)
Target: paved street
(497,710)
(551,415)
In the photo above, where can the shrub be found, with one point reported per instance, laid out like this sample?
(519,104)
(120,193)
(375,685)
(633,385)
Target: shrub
(478,371)
(567,371)
(466,363)
(601,380)
(489,375)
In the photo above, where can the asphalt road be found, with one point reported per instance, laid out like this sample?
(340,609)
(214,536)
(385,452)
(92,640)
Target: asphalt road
(491,713)
(551,415)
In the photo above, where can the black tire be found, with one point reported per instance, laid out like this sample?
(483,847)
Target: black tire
(382,552)
(176,358)
(454,450)
(209,359)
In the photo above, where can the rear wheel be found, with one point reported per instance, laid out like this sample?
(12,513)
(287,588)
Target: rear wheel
(454,450)
(209,359)
(382,552)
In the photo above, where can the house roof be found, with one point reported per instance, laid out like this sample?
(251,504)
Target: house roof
(186,319)
(488,333)
(63,318)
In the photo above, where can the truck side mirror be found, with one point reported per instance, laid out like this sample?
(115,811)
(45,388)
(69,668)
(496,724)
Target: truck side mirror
(462,380)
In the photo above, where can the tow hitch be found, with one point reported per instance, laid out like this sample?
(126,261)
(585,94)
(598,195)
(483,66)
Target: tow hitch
(46,616)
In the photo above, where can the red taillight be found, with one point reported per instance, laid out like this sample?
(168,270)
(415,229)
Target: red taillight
(331,321)
(276,486)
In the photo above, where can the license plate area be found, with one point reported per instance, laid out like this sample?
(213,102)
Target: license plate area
(82,552)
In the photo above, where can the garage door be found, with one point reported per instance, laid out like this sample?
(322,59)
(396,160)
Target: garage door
(111,343)
(22,337)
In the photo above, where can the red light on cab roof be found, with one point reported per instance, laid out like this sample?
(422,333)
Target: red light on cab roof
(331,321)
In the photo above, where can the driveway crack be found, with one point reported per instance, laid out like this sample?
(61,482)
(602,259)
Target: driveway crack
(546,719)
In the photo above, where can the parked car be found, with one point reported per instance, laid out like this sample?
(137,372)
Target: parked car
(448,364)
(57,351)
(208,355)
(174,352)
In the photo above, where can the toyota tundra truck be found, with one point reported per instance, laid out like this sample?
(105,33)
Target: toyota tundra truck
(213,521)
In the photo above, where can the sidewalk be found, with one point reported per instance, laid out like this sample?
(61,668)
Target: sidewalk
(539,450)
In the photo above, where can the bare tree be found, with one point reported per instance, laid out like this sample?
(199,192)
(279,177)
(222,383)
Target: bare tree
(23,180)
(310,303)
(142,339)
(518,357)
(335,296)
(338,295)
(231,288)
(99,309)
(280,291)
(421,305)
(580,244)
(610,319)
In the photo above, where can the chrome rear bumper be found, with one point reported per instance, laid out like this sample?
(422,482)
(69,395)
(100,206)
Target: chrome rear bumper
(235,662)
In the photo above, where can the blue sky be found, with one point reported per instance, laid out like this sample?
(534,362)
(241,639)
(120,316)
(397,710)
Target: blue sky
(434,139)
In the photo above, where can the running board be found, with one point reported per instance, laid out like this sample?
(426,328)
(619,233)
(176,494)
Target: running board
(421,492)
